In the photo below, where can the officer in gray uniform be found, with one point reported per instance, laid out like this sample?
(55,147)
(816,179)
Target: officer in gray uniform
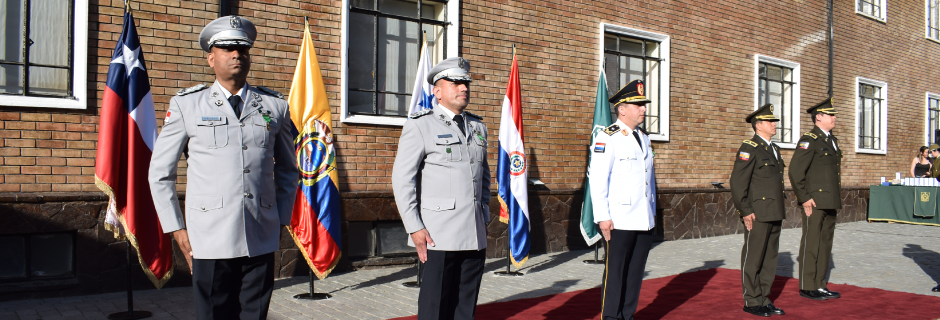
(441,181)
(241,180)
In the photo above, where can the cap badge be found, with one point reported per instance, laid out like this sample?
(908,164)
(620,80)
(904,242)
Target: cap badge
(639,88)
(233,21)
(460,63)
(771,108)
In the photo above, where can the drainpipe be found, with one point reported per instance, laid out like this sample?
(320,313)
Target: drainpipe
(829,91)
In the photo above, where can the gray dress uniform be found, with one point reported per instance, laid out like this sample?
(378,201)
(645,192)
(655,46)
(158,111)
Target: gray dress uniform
(236,197)
(441,181)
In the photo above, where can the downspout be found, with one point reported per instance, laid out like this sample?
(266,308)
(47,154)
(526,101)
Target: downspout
(829,91)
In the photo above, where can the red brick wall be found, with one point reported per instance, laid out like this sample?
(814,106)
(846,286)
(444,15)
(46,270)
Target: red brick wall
(713,48)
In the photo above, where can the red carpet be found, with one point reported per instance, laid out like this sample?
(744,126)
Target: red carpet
(716,294)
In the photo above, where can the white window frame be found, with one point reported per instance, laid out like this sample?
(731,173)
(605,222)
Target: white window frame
(795,110)
(927,21)
(884,11)
(664,54)
(927,97)
(452,50)
(884,115)
(79,98)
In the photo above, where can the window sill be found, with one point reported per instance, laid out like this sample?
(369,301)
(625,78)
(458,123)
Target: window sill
(782,145)
(42,102)
(871,151)
(658,137)
(379,120)
(882,20)
(932,39)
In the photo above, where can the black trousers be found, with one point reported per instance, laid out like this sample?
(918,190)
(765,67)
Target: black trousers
(450,284)
(237,288)
(816,248)
(626,262)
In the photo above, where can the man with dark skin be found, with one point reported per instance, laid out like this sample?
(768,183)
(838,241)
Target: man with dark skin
(241,178)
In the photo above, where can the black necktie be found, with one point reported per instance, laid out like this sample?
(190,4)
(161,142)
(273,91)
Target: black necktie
(235,100)
(637,136)
(459,120)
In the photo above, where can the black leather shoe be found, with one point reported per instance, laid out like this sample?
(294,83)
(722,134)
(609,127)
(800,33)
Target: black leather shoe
(757,311)
(774,310)
(813,295)
(936,289)
(829,294)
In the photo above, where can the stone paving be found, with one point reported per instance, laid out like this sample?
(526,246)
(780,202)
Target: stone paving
(893,257)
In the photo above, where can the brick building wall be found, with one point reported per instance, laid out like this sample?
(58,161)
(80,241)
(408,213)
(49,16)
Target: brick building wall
(712,55)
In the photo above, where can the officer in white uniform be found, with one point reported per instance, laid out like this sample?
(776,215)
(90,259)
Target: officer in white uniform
(241,180)
(623,191)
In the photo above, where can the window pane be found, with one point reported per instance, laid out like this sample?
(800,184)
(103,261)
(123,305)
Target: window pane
(51,255)
(361,102)
(762,70)
(398,7)
(361,51)
(428,12)
(610,42)
(11,30)
(48,81)
(365,4)
(612,71)
(787,74)
(435,37)
(774,93)
(11,79)
(49,30)
(398,55)
(394,104)
(393,239)
(652,93)
(773,73)
(652,49)
(12,257)
(630,46)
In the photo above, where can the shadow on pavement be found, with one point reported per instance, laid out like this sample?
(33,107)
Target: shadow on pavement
(541,295)
(555,261)
(785,265)
(928,260)
(406,273)
(679,290)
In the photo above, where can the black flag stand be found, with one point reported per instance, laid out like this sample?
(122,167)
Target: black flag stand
(312,295)
(415,284)
(508,273)
(597,247)
(130,314)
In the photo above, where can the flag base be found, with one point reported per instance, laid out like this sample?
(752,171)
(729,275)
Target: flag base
(597,247)
(508,273)
(129,315)
(593,261)
(312,296)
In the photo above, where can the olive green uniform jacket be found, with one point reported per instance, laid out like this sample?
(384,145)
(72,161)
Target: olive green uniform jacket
(757,181)
(815,170)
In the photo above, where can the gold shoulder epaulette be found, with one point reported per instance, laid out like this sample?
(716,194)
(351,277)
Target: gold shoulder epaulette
(610,130)
(811,135)
(751,143)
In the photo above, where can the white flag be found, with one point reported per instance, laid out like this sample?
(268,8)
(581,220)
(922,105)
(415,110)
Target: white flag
(422,97)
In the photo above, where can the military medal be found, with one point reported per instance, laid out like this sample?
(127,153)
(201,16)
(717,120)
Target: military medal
(267,119)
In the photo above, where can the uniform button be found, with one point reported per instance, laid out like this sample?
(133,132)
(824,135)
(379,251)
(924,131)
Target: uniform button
(242,124)
(820,190)
(247,170)
(244,147)
(438,208)
(647,183)
(203,208)
(471,161)
(247,195)
(763,198)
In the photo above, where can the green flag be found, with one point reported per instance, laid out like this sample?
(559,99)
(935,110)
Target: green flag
(601,120)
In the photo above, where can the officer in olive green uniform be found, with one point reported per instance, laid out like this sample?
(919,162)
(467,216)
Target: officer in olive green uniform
(815,177)
(935,166)
(757,191)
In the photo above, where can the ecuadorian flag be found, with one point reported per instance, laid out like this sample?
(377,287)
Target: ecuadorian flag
(511,171)
(315,222)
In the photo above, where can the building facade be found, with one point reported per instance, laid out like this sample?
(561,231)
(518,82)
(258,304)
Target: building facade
(706,66)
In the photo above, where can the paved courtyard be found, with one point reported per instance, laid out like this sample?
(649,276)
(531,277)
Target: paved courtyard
(895,257)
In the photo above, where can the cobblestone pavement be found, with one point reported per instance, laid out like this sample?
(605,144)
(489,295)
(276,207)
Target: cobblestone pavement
(893,257)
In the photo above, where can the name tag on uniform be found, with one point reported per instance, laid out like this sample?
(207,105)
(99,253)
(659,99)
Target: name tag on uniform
(211,118)
(599,147)
(445,135)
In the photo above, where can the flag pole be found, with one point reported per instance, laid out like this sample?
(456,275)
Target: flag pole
(130,314)
(312,295)
(597,248)
(508,272)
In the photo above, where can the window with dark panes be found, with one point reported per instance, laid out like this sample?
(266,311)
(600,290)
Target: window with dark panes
(36,47)
(869,116)
(871,7)
(627,59)
(933,19)
(775,86)
(384,48)
(37,256)
(933,123)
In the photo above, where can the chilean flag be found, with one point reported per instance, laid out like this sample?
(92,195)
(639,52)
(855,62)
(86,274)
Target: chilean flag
(126,135)
(315,222)
(511,171)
